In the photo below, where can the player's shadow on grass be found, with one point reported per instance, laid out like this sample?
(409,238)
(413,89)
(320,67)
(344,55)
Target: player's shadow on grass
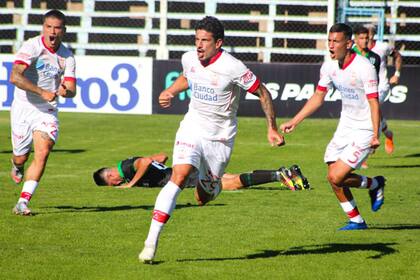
(259,188)
(70,208)
(70,151)
(382,249)
(399,166)
(396,227)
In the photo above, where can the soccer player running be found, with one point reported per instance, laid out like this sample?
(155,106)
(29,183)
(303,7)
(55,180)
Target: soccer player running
(384,50)
(38,71)
(151,171)
(361,41)
(358,129)
(205,138)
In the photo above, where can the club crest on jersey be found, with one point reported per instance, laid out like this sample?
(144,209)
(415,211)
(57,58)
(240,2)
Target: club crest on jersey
(247,77)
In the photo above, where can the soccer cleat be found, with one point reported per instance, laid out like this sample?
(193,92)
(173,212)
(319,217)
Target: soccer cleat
(22,209)
(298,178)
(146,256)
(354,226)
(377,195)
(285,177)
(16,173)
(389,143)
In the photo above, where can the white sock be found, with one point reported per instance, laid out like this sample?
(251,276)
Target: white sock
(350,208)
(28,190)
(164,205)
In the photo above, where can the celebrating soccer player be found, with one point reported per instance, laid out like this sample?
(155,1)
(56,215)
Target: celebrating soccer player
(358,130)
(205,138)
(384,50)
(38,71)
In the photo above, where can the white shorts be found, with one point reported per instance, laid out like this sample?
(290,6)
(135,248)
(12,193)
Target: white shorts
(350,145)
(25,120)
(209,157)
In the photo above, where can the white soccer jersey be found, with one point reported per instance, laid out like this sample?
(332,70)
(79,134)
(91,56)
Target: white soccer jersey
(45,69)
(215,92)
(356,81)
(384,50)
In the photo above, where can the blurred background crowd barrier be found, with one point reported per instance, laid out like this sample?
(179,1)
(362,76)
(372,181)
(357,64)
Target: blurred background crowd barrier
(256,31)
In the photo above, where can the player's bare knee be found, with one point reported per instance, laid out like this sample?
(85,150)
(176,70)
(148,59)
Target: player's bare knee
(334,179)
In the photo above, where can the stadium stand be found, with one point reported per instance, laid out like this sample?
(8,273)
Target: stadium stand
(264,30)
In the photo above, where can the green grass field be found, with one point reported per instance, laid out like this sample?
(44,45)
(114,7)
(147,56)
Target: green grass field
(267,232)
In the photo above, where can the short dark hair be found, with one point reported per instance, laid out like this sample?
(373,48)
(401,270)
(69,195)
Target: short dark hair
(213,25)
(342,28)
(99,176)
(55,14)
(360,30)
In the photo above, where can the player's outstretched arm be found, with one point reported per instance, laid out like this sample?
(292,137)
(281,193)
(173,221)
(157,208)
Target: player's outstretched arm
(180,85)
(141,164)
(316,101)
(18,79)
(395,79)
(160,157)
(274,137)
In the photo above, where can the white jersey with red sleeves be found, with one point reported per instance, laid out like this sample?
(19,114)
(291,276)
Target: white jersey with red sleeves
(215,90)
(384,50)
(45,69)
(357,81)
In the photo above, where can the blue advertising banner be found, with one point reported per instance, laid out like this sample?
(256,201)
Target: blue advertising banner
(104,85)
(291,85)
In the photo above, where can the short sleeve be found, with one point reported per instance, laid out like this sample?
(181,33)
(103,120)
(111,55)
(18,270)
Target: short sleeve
(26,54)
(370,81)
(70,70)
(244,77)
(325,81)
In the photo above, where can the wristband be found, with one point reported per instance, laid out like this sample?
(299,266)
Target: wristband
(397,73)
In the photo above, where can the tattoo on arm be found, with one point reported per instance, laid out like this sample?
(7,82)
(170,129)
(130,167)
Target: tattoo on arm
(267,106)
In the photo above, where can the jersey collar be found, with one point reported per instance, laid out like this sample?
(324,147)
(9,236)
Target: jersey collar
(45,46)
(353,55)
(120,171)
(213,59)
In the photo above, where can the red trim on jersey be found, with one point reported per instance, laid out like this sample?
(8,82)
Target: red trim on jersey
(353,55)
(255,86)
(45,46)
(372,95)
(353,213)
(321,88)
(26,195)
(160,216)
(213,59)
(69,79)
(21,62)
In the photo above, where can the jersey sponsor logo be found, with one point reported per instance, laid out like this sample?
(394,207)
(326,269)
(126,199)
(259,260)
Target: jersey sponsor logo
(348,93)
(185,144)
(47,69)
(203,93)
